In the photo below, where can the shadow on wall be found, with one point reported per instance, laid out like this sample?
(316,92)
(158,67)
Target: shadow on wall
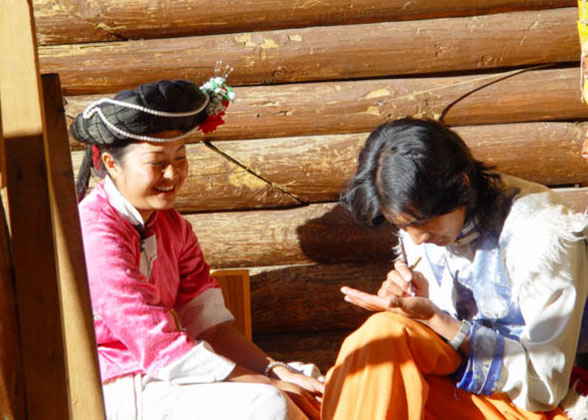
(336,238)
(298,312)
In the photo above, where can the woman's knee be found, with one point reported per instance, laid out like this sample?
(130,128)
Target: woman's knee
(268,403)
(386,324)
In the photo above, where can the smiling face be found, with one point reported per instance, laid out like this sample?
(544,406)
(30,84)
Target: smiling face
(149,175)
(440,230)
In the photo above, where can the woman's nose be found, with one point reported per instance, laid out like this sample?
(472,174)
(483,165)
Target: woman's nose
(417,236)
(170,172)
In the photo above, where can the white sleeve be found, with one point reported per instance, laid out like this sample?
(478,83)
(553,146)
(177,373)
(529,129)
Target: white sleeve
(203,312)
(550,276)
(201,364)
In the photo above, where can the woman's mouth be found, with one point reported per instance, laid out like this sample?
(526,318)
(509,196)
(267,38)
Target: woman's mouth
(165,189)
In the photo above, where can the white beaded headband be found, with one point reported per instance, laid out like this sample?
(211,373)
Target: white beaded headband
(94,108)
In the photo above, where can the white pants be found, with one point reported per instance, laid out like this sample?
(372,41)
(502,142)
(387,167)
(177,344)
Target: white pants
(138,397)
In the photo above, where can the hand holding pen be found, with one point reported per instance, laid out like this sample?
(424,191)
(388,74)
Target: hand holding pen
(404,291)
(407,275)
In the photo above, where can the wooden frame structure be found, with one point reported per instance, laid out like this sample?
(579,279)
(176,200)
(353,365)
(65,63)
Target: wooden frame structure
(54,370)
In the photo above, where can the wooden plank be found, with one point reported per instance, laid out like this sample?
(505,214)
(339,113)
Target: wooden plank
(33,253)
(291,171)
(12,403)
(85,387)
(315,233)
(359,106)
(112,20)
(236,292)
(321,233)
(318,347)
(324,53)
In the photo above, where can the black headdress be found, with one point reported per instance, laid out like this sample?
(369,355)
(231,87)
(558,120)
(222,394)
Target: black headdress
(134,115)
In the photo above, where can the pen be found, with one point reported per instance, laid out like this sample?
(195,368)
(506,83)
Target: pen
(404,259)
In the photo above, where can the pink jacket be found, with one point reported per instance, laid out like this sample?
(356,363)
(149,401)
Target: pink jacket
(135,327)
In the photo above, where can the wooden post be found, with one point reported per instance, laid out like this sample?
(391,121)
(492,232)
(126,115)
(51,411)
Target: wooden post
(11,380)
(37,296)
(85,390)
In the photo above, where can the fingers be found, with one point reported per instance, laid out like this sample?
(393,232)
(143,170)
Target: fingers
(368,301)
(421,284)
(306,402)
(398,282)
(402,269)
(310,406)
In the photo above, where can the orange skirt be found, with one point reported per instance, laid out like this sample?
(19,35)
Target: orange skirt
(393,367)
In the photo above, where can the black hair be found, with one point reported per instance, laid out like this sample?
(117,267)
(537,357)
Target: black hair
(164,95)
(422,168)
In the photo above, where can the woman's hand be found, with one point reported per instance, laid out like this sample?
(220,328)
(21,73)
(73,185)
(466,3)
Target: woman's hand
(302,397)
(312,385)
(304,391)
(308,397)
(401,280)
(419,308)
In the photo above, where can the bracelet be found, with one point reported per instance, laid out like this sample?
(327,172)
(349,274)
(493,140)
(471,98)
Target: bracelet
(461,335)
(274,364)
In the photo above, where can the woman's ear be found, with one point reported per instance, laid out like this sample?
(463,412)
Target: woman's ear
(466,180)
(109,162)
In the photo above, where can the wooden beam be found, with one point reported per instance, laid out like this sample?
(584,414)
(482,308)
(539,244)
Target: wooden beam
(308,296)
(322,233)
(39,313)
(324,53)
(291,171)
(85,387)
(359,106)
(33,252)
(115,20)
(316,233)
(12,398)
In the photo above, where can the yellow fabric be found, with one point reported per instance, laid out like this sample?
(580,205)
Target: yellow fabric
(583,33)
(395,368)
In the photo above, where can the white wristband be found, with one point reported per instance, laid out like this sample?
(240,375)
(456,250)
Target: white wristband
(461,335)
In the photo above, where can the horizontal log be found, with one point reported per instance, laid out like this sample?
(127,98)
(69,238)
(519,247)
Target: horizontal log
(359,106)
(315,169)
(308,296)
(316,233)
(286,172)
(324,53)
(321,233)
(216,183)
(318,347)
(64,22)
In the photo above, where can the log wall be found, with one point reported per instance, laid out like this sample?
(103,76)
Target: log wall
(312,80)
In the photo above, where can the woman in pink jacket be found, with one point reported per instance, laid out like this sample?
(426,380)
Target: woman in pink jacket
(165,344)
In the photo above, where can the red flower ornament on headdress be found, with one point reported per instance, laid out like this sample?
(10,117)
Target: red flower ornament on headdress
(220,96)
